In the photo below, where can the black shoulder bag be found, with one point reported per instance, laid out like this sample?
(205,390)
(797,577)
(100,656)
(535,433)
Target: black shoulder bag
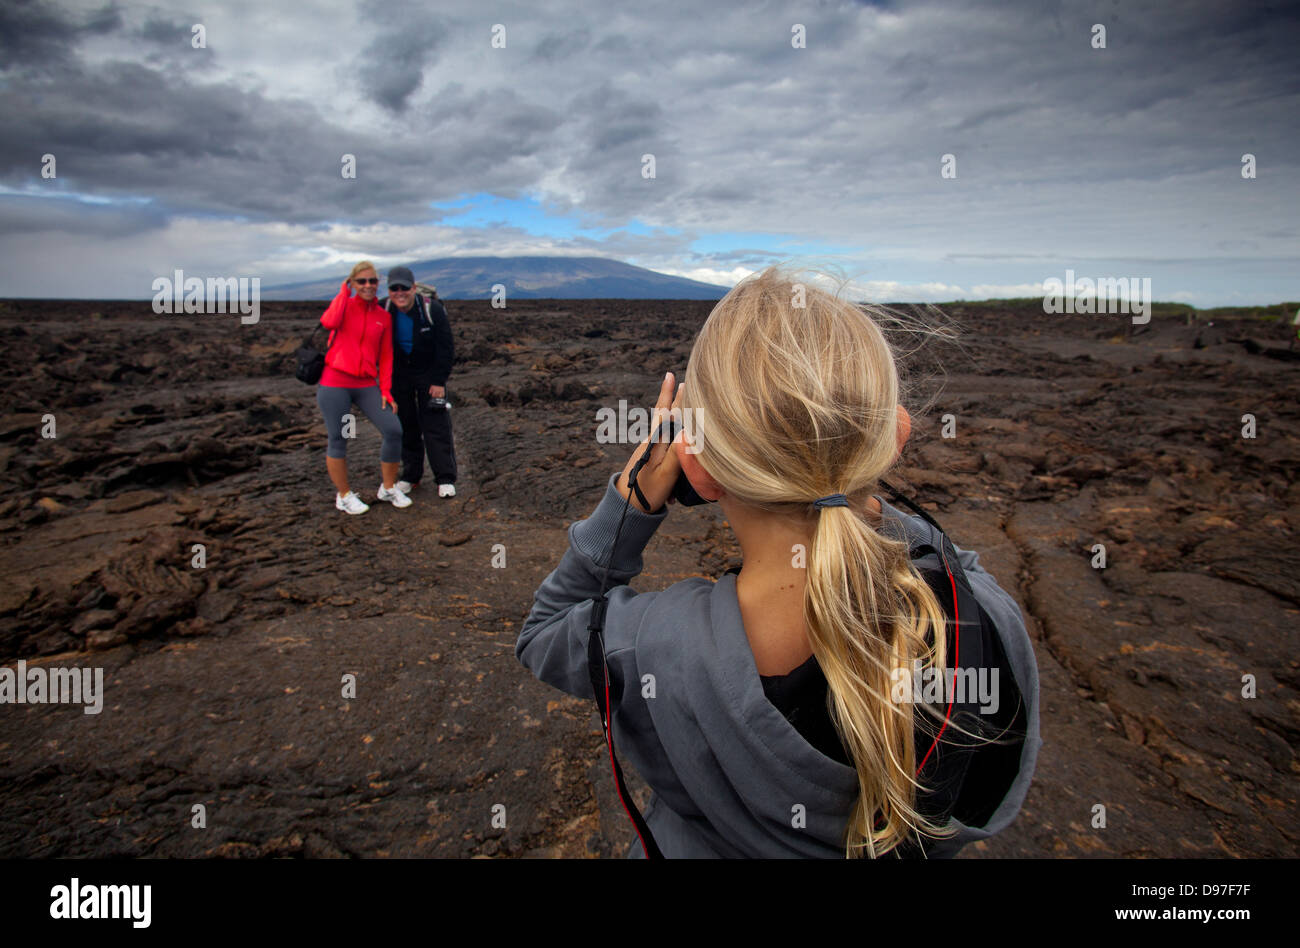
(311,361)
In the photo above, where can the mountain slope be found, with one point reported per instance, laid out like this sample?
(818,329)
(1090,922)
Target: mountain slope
(526,278)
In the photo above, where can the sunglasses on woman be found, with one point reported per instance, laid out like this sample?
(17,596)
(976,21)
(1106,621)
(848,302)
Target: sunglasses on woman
(366,281)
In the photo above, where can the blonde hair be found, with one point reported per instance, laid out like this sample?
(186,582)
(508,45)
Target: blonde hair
(361,267)
(793,403)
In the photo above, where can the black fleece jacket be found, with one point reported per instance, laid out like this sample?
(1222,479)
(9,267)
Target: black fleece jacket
(432,349)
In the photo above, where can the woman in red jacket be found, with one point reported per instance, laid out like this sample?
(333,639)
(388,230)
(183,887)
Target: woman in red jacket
(359,369)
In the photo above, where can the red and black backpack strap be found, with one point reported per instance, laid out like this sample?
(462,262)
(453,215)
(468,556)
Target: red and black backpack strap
(960,782)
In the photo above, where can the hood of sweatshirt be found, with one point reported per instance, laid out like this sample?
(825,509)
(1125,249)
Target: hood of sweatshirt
(733,776)
(730,775)
(748,784)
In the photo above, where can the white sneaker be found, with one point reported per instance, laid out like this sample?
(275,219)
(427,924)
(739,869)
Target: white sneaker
(350,503)
(446,490)
(404,486)
(393,496)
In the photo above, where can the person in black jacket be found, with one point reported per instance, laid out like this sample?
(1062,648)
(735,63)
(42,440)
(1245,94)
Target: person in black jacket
(422,357)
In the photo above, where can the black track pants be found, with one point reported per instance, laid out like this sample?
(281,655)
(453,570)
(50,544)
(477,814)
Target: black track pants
(425,428)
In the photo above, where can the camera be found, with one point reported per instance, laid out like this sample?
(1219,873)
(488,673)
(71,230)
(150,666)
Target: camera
(685,494)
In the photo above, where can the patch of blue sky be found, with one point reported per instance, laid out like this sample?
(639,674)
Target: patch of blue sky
(49,193)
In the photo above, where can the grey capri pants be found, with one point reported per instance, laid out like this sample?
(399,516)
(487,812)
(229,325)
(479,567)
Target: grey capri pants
(336,402)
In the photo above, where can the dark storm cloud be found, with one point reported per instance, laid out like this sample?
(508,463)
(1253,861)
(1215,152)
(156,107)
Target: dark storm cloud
(561,47)
(405,45)
(610,130)
(615,118)
(721,193)
(988,115)
(168,34)
(731,113)
(33,216)
(129,130)
(393,65)
(469,141)
(1061,148)
(37,34)
(614,45)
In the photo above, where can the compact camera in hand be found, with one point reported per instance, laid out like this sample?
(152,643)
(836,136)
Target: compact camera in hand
(683,492)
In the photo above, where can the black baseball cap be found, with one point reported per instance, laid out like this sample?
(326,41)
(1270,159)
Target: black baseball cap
(401,276)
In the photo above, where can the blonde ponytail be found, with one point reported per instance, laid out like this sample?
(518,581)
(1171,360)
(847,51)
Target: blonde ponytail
(794,394)
(868,614)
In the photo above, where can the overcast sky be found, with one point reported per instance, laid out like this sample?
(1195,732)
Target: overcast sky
(226,161)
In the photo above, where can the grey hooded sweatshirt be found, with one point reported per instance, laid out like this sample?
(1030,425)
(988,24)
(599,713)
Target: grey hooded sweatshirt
(730,776)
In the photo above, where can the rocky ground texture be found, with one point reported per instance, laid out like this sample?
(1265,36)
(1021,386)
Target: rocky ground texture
(223,685)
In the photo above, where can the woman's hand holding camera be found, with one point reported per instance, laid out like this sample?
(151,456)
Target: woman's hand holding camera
(659,475)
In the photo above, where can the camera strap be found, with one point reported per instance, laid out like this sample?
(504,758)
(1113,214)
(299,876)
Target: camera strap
(598,671)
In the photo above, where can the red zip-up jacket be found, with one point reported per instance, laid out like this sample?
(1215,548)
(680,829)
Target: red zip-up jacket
(361,344)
